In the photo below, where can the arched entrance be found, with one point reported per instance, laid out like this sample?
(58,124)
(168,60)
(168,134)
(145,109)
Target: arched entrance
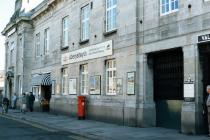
(44,83)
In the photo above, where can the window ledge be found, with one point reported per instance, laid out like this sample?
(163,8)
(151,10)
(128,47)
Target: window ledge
(37,57)
(64,48)
(84,41)
(111,94)
(169,13)
(110,32)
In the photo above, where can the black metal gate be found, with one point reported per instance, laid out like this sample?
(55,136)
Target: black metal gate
(204,53)
(168,87)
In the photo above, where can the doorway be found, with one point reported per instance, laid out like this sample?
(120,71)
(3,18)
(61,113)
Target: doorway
(10,91)
(46,92)
(168,75)
(204,53)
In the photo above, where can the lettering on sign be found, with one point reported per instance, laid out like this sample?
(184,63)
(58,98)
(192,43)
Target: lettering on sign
(95,51)
(203,38)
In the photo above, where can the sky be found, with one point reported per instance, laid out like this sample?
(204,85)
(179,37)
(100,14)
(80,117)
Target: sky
(6,10)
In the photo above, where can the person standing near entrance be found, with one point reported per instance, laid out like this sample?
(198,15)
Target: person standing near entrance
(1,98)
(5,105)
(31,102)
(27,101)
(14,101)
(208,106)
(23,108)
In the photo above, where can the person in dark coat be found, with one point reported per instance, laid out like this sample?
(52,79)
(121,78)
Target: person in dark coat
(1,98)
(5,105)
(27,101)
(31,102)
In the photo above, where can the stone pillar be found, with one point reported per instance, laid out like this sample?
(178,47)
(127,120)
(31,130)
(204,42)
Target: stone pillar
(146,114)
(188,114)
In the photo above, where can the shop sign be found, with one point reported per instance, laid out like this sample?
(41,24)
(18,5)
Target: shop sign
(95,51)
(204,38)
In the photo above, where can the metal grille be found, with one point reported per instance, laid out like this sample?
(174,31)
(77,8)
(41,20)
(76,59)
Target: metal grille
(168,75)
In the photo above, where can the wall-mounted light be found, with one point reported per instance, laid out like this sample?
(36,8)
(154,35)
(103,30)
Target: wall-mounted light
(141,21)
(189,6)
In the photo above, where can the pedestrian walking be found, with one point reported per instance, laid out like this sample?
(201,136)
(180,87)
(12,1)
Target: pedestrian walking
(23,108)
(1,98)
(14,101)
(5,105)
(27,101)
(31,101)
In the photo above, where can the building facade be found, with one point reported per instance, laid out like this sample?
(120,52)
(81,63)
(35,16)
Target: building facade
(1,81)
(140,63)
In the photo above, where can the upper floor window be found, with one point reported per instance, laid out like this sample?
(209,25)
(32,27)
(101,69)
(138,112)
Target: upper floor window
(111,15)
(168,6)
(85,14)
(20,54)
(65,35)
(12,54)
(111,77)
(37,45)
(46,41)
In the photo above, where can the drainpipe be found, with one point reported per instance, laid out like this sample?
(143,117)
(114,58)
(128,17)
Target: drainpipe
(137,61)
(139,29)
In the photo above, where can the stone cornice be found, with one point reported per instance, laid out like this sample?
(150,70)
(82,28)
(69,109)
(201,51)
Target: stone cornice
(44,7)
(11,25)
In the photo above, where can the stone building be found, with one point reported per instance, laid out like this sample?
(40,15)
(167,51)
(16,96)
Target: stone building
(1,81)
(139,63)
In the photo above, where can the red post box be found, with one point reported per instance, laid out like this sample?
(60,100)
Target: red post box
(81,107)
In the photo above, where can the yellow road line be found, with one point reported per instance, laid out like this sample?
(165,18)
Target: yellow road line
(28,123)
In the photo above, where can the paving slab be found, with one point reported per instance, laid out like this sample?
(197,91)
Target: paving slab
(101,130)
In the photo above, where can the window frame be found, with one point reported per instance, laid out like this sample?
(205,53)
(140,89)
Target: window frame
(65,81)
(46,41)
(170,9)
(65,43)
(86,22)
(112,69)
(20,84)
(12,53)
(37,45)
(84,72)
(109,9)
(36,92)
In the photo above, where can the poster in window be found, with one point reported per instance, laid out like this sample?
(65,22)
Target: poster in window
(119,87)
(131,83)
(72,86)
(95,85)
(53,87)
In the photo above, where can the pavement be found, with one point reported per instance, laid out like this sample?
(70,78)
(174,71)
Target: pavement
(97,130)
(14,130)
